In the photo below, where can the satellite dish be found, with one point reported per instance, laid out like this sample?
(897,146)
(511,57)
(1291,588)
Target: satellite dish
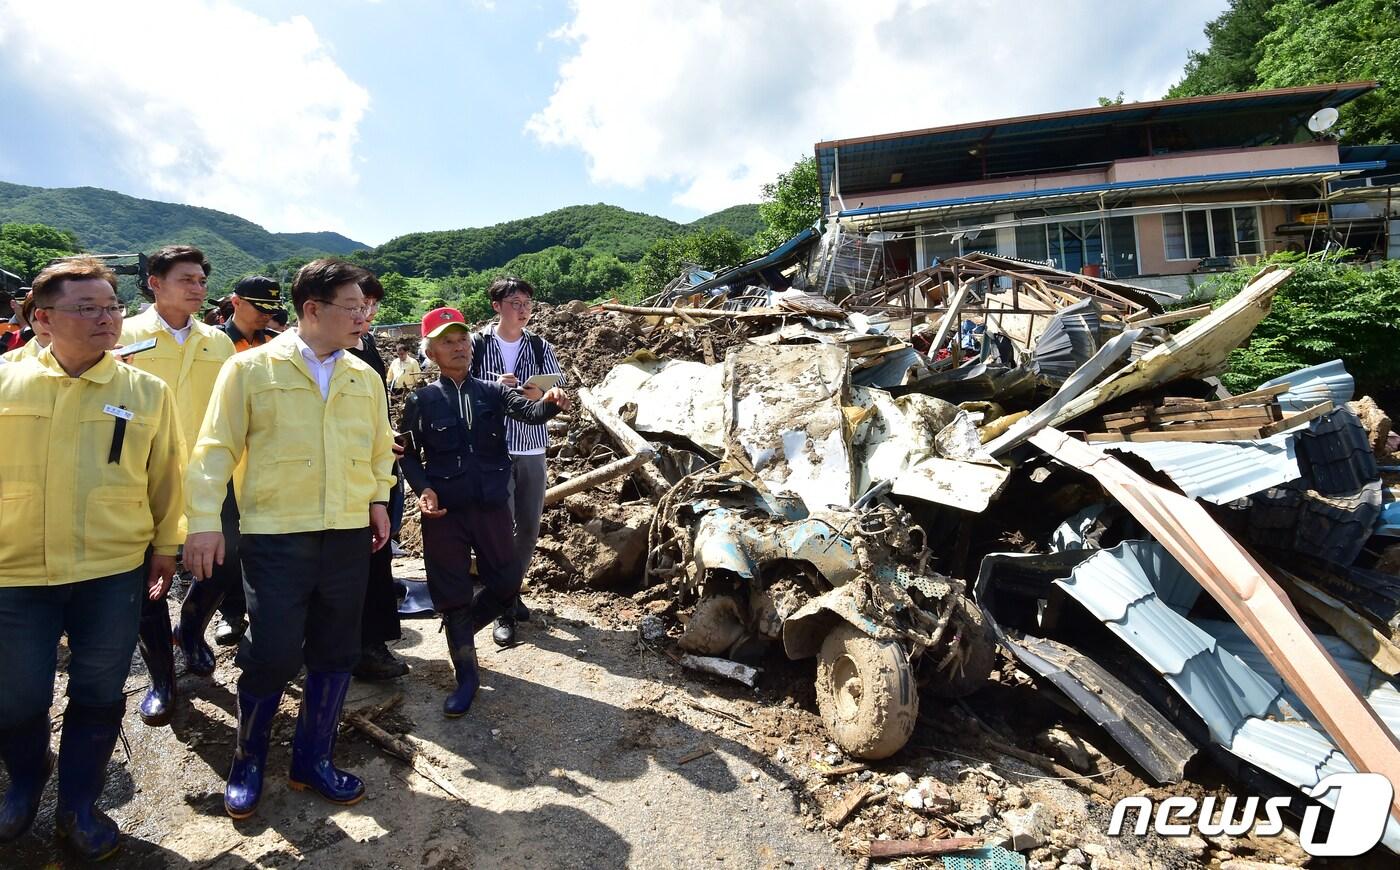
(1322,120)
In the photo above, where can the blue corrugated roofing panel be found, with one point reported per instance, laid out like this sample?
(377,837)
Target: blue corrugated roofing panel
(1220,471)
(1378,690)
(1141,593)
(1221,676)
(772,258)
(1109,187)
(1314,384)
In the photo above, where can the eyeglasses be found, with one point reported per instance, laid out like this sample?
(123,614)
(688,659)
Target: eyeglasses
(355,310)
(521,304)
(89,312)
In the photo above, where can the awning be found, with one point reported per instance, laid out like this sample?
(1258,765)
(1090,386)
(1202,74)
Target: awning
(900,214)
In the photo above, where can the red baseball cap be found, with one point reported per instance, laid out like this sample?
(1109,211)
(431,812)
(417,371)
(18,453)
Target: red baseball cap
(439,320)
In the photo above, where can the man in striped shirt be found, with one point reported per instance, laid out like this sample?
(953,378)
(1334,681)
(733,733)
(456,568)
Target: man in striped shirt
(509,354)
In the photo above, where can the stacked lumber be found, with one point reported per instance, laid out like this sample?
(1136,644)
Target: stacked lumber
(1245,417)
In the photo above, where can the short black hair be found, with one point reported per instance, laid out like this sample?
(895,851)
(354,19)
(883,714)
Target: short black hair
(48,284)
(280,316)
(508,285)
(163,260)
(371,287)
(319,279)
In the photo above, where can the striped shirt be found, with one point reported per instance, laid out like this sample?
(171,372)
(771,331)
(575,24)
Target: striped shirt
(521,438)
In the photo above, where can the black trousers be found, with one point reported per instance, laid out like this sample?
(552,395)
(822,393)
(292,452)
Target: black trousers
(380,621)
(448,544)
(305,593)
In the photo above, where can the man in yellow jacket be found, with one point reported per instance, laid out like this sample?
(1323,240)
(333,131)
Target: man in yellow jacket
(187,355)
(309,425)
(35,344)
(89,525)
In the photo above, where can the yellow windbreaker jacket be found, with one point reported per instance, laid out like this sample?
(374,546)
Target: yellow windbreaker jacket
(29,349)
(189,369)
(68,511)
(308,464)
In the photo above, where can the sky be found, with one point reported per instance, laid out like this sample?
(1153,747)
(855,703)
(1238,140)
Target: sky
(376,118)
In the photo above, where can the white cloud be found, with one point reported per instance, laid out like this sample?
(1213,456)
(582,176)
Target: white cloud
(718,96)
(203,102)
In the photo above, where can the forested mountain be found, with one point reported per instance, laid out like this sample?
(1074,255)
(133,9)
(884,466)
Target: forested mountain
(578,252)
(1258,44)
(600,229)
(108,222)
(743,221)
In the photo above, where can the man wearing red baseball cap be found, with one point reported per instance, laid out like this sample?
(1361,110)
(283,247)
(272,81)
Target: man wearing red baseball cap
(455,458)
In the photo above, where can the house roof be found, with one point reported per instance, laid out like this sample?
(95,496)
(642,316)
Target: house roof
(899,214)
(1059,141)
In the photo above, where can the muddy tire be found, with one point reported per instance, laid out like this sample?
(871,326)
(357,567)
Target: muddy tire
(866,693)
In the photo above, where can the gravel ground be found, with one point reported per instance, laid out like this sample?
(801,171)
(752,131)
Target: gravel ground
(567,759)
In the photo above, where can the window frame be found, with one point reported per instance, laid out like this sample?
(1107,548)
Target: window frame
(1180,214)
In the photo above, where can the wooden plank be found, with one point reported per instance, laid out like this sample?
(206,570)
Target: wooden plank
(922,848)
(1195,415)
(627,438)
(1170,317)
(1255,421)
(1301,417)
(1130,424)
(837,814)
(1257,397)
(945,326)
(1178,434)
(843,769)
(597,476)
(1251,598)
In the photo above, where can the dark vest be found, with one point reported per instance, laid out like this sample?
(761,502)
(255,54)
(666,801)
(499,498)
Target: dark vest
(465,466)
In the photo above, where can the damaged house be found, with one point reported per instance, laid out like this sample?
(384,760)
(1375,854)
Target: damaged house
(1155,192)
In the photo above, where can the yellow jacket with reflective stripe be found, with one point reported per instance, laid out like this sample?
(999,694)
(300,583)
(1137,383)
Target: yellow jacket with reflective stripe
(308,463)
(189,369)
(67,512)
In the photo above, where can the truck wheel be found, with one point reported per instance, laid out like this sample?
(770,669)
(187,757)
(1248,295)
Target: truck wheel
(866,693)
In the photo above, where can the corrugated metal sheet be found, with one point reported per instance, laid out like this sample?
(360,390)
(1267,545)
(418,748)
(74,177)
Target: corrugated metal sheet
(1137,726)
(1307,387)
(1220,471)
(1069,340)
(1374,685)
(1140,593)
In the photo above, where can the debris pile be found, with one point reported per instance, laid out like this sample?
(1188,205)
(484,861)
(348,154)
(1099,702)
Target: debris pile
(992,477)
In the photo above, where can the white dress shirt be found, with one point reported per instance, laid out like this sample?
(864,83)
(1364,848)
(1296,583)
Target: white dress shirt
(320,370)
(181,335)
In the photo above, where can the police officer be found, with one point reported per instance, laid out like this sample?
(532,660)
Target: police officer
(88,530)
(310,426)
(187,355)
(455,458)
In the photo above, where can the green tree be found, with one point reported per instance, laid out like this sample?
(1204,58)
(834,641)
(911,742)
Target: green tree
(27,248)
(1348,40)
(400,304)
(1112,101)
(709,249)
(791,204)
(1328,310)
(1259,44)
(1231,59)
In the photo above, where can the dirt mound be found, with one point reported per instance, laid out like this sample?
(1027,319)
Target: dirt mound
(590,344)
